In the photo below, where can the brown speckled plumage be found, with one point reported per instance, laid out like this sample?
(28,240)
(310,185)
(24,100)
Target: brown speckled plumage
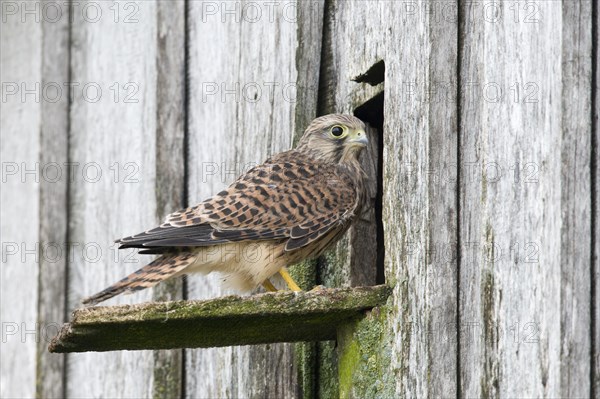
(292,207)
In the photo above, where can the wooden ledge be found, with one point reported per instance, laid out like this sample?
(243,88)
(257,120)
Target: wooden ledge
(233,320)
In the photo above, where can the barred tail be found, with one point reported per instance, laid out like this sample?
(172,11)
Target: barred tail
(148,276)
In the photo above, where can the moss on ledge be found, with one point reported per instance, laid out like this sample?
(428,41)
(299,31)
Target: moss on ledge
(232,320)
(365,357)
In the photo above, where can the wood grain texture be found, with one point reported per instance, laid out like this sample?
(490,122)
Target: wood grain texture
(118,134)
(595,364)
(20,122)
(353,261)
(53,202)
(525,238)
(576,229)
(488,160)
(419,205)
(419,146)
(170,163)
(419,214)
(344,57)
(254,73)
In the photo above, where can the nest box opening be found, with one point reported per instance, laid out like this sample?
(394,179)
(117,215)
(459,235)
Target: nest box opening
(374,76)
(372,113)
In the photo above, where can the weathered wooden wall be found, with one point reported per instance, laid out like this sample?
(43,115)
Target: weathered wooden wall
(595,270)
(489,232)
(527,294)
(489,208)
(20,133)
(255,64)
(118,134)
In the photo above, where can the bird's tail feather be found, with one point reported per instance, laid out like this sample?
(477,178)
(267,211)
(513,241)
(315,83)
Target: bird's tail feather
(148,276)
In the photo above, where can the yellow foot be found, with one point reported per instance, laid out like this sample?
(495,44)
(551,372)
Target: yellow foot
(318,288)
(269,286)
(289,280)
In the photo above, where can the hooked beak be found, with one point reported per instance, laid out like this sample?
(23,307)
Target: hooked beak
(359,138)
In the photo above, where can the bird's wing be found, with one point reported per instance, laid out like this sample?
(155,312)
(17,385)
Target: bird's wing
(282,199)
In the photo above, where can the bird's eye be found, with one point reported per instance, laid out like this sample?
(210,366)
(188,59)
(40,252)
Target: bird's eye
(337,131)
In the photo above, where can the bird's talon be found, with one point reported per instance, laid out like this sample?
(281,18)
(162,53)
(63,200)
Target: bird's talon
(289,280)
(269,286)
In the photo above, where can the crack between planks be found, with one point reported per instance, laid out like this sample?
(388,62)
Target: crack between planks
(593,198)
(323,106)
(69,187)
(459,54)
(186,171)
(325,102)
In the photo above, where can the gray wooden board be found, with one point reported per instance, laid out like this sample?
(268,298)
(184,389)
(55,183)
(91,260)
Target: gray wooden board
(53,201)
(524,212)
(20,122)
(420,199)
(524,188)
(419,213)
(595,375)
(112,133)
(253,84)
(170,163)
(346,55)
(576,229)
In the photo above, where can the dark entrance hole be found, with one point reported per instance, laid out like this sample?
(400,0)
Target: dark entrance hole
(374,76)
(371,112)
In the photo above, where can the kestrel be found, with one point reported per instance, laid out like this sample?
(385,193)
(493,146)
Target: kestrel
(292,207)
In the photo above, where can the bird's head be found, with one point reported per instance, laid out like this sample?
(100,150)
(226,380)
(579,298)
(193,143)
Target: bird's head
(335,138)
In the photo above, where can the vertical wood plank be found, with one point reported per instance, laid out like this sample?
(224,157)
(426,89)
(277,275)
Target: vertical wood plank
(309,50)
(595,364)
(420,212)
(53,197)
(418,348)
(345,57)
(170,163)
(524,184)
(252,87)
(353,260)
(20,121)
(576,230)
(114,133)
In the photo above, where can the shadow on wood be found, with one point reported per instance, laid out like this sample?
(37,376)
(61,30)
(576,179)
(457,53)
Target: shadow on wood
(233,320)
